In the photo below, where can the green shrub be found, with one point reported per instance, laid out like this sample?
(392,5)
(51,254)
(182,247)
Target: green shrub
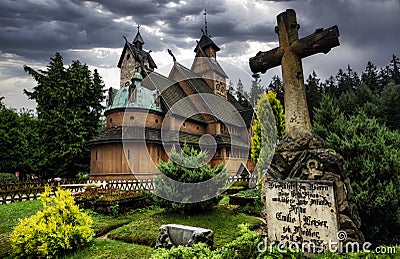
(6,177)
(244,247)
(200,251)
(82,176)
(58,228)
(189,166)
(255,192)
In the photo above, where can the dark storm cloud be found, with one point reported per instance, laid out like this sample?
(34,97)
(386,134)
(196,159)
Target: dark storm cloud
(368,29)
(35,30)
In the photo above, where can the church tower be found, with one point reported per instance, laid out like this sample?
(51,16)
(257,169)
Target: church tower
(134,59)
(206,64)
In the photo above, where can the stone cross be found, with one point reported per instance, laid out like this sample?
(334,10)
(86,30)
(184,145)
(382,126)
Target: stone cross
(289,54)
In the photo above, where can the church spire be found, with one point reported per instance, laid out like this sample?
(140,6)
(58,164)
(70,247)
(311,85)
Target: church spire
(205,22)
(138,40)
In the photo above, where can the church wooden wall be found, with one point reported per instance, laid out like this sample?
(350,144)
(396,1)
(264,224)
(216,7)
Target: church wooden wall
(128,161)
(134,118)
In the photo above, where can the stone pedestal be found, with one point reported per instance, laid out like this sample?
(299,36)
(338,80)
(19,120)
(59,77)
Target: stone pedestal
(306,158)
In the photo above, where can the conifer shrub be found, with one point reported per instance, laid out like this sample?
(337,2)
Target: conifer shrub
(58,228)
(188,166)
(7,177)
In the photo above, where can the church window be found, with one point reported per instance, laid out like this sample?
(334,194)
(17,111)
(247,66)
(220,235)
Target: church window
(218,86)
(110,120)
(198,128)
(96,155)
(128,56)
(227,152)
(156,120)
(184,125)
(129,154)
(132,118)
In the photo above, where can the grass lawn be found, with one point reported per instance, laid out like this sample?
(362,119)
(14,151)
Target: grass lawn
(11,213)
(107,248)
(103,224)
(144,227)
(9,218)
(139,229)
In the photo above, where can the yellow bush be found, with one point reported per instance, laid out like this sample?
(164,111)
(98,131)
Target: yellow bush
(59,227)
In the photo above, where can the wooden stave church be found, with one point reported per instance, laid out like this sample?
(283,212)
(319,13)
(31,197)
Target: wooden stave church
(136,125)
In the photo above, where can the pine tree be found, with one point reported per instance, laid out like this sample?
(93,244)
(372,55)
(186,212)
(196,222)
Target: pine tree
(329,87)
(347,81)
(390,104)
(384,77)
(69,107)
(277,87)
(313,92)
(255,91)
(394,69)
(370,77)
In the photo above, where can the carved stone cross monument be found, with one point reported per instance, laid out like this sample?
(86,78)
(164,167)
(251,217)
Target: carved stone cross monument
(289,55)
(305,180)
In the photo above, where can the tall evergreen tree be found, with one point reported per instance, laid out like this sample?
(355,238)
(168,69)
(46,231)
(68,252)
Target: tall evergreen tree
(394,69)
(277,87)
(330,87)
(313,92)
(241,95)
(370,77)
(347,81)
(69,107)
(255,91)
(390,104)
(384,77)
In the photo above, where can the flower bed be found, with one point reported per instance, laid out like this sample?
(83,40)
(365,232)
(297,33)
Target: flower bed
(110,201)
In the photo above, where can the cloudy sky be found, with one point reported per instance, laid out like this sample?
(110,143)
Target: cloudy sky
(31,31)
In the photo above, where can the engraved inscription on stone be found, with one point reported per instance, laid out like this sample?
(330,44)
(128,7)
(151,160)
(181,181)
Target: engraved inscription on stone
(302,212)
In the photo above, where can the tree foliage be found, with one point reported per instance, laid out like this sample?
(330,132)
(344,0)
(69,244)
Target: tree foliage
(269,125)
(277,87)
(313,93)
(255,91)
(20,148)
(69,109)
(372,159)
